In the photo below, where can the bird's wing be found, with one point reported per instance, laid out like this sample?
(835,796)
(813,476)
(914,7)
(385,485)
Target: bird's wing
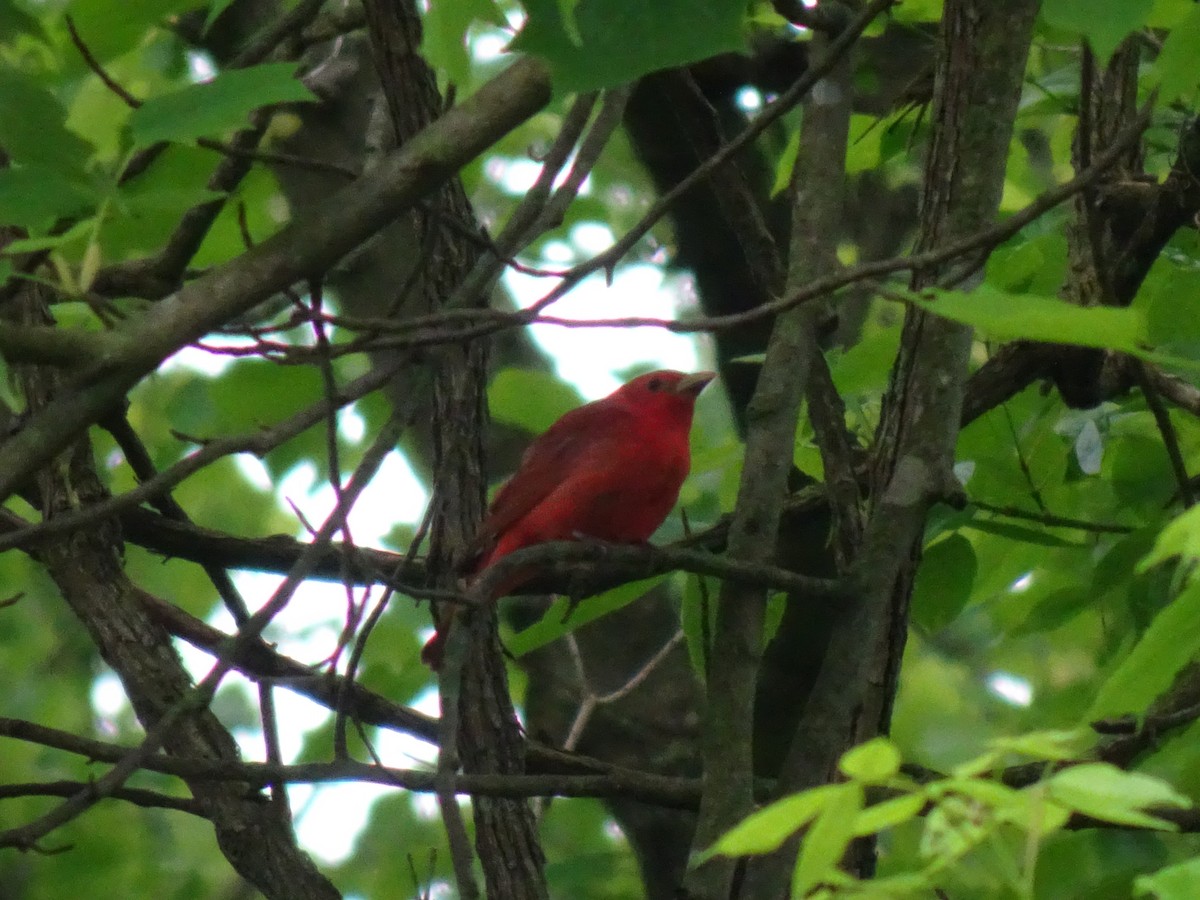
(582,438)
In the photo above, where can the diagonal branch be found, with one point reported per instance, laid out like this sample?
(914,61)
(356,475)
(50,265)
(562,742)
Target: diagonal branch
(334,228)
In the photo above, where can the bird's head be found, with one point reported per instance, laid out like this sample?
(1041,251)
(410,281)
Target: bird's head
(665,392)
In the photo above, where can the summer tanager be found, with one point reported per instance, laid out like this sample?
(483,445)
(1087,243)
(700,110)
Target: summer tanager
(609,471)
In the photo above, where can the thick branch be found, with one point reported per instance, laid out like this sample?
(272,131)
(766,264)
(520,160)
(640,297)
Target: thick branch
(68,347)
(679,793)
(817,223)
(337,226)
(771,420)
(86,568)
(981,67)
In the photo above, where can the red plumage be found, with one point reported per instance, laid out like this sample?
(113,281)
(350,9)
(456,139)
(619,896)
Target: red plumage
(610,470)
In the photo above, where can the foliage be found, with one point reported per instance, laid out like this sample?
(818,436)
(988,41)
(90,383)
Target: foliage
(1063,592)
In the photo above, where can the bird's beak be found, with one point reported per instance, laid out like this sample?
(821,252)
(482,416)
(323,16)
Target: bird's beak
(695,383)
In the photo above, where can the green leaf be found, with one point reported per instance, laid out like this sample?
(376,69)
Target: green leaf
(691,612)
(1048,745)
(109,30)
(34,130)
(767,829)
(528,399)
(566,10)
(888,814)
(984,791)
(1104,23)
(918,11)
(14,20)
(1104,792)
(1178,74)
(80,232)
(871,763)
(621,40)
(1181,537)
(776,606)
(1171,299)
(551,626)
(215,8)
(1168,644)
(35,197)
(864,367)
(1030,264)
(1004,316)
(444,33)
(1022,533)
(1177,882)
(215,106)
(944,582)
(826,841)
(786,165)
(1169,13)
(1054,609)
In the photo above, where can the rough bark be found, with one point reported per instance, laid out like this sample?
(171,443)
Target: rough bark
(1120,226)
(979,76)
(489,739)
(1108,101)
(86,567)
(736,651)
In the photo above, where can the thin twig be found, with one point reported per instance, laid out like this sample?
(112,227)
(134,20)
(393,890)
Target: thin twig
(1170,439)
(97,68)
(360,645)
(474,323)
(136,796)
(272,158)
(139,460)
(766,118)
(1053,521)
(29,834)
(259,443)
(663,790)
(521,226)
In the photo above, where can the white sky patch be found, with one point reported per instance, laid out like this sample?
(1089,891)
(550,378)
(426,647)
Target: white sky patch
(555,253)
(351,425)
(592,238)
(404,750)
(1010,688)
(196,360)
(403,496)
(200,66)
(593,358)
(108,699)
(1022,584)
(490,46)
(614,832)
(333,818)
(515,175)
(254,470)
(749,99)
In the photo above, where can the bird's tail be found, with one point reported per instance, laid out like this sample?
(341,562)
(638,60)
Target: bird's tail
(435,647)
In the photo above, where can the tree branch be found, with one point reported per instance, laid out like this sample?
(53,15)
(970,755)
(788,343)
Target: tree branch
(66,347)
(336,226)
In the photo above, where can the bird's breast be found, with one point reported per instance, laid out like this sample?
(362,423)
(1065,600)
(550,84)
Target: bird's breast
(639,496)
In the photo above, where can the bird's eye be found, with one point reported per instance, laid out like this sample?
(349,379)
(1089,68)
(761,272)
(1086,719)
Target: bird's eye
(654,384)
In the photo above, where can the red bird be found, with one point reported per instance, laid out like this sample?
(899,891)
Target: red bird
(609,471)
